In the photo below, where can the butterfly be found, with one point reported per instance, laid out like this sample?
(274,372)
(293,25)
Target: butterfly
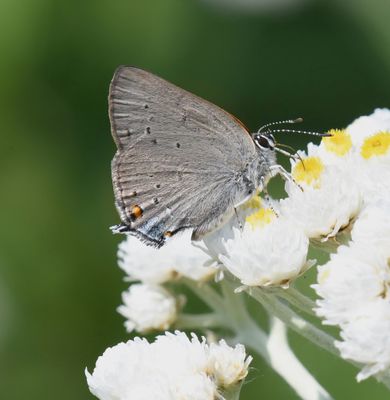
(181,161)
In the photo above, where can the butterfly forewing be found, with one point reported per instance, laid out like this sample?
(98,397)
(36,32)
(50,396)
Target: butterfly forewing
(178,157)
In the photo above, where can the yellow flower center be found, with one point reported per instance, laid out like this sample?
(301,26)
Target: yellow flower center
(376,145)
(254,202)
(339,143)
(308,171)
(260,218)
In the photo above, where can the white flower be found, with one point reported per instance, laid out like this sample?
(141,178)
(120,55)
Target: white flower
(329,201)
(147,307)
(177,257)
(375,149)
(373,225)
(268,251)
(119,369)
(368,125)
(227,364)
(355,290)
(336,149)
(173,367)
(366,339)
(354,276)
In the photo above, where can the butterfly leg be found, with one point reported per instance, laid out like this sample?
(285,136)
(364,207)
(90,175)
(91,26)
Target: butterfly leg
(238,220)
(267,197)
(279,170)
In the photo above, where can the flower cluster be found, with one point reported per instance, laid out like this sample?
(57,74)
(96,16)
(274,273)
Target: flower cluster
(337,196)
(148,305)
(172,367)
(354,284)
(338,200)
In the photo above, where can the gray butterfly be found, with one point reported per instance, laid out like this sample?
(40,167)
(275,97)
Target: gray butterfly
(182,162)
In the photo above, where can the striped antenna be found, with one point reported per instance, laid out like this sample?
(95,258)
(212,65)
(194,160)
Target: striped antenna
(287,121)
(296,131)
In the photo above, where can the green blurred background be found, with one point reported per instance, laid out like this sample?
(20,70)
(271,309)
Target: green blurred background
(59,283)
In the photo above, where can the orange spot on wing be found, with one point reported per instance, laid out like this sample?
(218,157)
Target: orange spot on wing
(136,212)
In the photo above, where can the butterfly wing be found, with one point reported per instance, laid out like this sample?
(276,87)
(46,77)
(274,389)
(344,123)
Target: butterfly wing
(180,159)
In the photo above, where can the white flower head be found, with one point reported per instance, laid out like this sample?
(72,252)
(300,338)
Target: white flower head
(368,125)
(268,251)
(177,257)
(336,149)
(366,339)
(119,369)
(355,290)
(329,201)
(373,225)
(375,149)
(354,276)
(148,307)
(229,365)
(173,367)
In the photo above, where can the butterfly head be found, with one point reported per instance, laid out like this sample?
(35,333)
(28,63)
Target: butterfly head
(265,140)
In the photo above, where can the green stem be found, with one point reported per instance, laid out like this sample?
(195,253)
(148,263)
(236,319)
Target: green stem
(277,308)
(200,321)
(295,298)
(290,368)
(246,330)
(206,293)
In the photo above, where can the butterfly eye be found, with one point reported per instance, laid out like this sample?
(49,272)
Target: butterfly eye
(265,142)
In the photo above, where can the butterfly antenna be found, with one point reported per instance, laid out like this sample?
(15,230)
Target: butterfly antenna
(300,132)
(287,121)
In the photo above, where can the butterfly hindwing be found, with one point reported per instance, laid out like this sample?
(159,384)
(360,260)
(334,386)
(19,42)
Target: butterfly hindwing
(178,157)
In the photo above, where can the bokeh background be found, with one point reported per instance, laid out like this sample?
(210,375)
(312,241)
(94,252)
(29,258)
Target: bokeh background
(262,60)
